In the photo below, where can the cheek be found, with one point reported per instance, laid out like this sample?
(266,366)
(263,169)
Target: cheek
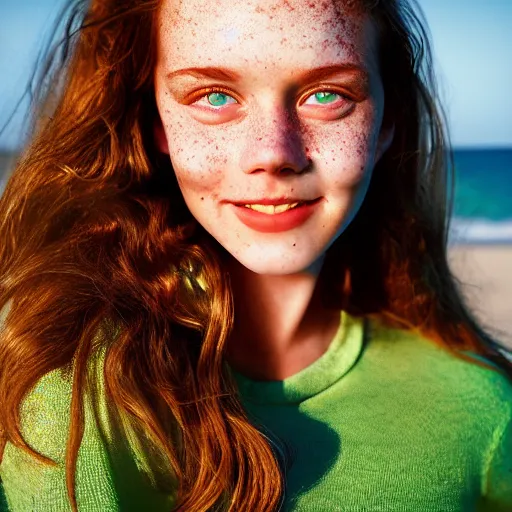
(344,151)
(198,156)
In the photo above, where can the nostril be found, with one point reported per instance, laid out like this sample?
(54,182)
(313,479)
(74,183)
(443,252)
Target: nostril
(288,170)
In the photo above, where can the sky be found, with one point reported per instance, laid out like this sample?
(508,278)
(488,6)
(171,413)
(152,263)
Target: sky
(472,42)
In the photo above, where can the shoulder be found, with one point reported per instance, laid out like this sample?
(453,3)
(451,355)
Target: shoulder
(46,410)
(30,484)
(109,461)
(45,414)
(422,361)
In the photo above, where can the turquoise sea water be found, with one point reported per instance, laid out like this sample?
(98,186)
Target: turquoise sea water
(483,196)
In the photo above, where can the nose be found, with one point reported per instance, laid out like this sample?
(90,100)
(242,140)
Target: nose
(275,145)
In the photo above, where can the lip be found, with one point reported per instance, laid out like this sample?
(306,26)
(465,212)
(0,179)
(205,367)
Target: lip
(278,222)
(276,201)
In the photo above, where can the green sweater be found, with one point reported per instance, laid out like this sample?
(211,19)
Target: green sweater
(383,421)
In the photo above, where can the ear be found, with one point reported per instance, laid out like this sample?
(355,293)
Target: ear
(386,136)
(160,137)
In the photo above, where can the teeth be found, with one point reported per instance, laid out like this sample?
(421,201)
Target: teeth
(271,209)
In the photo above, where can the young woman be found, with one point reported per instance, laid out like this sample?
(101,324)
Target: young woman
(224,278)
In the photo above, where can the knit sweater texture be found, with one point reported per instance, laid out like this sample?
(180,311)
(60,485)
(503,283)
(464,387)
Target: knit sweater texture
(383,421)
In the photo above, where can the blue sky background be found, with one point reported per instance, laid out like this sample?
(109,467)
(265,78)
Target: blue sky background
(472,42)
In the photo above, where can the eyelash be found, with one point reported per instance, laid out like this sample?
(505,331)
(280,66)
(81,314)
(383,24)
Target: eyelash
(210,90)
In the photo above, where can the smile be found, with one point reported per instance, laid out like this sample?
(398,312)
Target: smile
(272,209)
(275,218)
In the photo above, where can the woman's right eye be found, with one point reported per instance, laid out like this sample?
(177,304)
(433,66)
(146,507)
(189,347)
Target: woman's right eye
(215,100)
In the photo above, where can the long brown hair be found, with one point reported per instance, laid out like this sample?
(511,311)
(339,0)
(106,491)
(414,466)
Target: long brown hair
(97,239)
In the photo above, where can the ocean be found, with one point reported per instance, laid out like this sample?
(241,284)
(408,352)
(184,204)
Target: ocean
(483,195)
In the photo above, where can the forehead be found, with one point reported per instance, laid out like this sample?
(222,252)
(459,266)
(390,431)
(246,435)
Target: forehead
(293,32)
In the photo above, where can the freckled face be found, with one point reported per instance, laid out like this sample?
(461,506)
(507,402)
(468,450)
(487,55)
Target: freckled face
(269,99)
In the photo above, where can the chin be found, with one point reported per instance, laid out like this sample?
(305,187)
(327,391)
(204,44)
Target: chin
(272,266)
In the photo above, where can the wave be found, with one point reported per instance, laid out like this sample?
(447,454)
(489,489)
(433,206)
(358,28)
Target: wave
(465,230)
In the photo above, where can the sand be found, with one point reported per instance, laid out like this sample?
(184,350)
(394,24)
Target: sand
(485,273)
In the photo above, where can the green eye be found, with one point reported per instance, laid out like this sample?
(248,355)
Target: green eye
(322,97)
(218,99)
(325,97)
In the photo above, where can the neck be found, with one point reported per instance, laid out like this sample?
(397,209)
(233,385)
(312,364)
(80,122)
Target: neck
(281,324)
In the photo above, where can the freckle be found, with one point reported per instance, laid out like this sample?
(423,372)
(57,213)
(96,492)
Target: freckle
(202,198)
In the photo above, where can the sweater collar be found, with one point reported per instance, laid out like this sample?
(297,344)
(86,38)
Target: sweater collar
(340,356)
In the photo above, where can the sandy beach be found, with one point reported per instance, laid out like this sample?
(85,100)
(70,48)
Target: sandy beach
(485,273)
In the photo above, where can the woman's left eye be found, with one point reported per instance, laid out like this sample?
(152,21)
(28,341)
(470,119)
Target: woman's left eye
(322,98)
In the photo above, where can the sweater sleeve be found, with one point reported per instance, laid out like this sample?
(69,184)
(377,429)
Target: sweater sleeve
(498,488)
(109,475)
(31,485)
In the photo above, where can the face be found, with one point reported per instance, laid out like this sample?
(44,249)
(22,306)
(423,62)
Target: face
(270,100)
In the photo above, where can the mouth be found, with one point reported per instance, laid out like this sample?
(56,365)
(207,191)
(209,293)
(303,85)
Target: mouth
(275,218)
(276,207)
(272,209)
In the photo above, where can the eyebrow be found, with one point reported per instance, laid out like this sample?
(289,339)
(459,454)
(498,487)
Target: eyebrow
(328,71)
(207,72)
(220,73)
